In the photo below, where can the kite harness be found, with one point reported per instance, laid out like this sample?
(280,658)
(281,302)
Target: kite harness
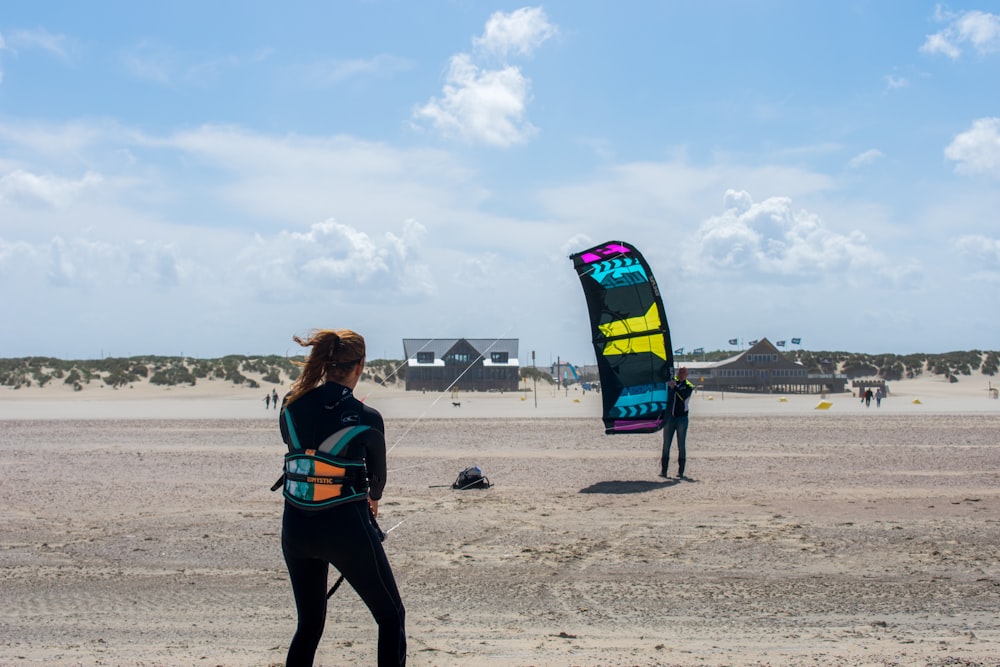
(317,478)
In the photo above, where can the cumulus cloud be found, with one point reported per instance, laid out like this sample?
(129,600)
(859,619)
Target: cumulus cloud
(770,239)
(977,150)
(981,250)
(83,263)
(518,33)
(27,188)
(487,105)
(975,29)
(332,256)
(79,262)
(481,106)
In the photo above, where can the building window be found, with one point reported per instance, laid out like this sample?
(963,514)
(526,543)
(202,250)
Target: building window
(425,357)
(499,357)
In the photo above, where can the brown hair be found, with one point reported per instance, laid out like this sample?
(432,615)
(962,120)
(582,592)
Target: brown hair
(335,353)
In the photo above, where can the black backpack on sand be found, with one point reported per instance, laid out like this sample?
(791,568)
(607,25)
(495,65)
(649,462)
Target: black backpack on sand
(471,478)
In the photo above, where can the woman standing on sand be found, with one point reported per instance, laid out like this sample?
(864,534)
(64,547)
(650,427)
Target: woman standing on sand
(335,472)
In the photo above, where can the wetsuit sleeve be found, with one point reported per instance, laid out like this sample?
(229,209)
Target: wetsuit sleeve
(375,458)
(685,390)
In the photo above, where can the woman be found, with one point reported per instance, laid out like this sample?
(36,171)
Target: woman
(334,476)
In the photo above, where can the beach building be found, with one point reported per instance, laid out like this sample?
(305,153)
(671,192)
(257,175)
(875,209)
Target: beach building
(762,369)
(464,364)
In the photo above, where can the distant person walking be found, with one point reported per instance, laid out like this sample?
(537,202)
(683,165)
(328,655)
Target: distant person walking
(868,397)
(267,401)
(274,398)
(679,391)
(879,395)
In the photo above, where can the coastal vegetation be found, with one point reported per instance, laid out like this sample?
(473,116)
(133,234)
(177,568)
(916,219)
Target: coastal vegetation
(274,370)
(252,372)
(889,367)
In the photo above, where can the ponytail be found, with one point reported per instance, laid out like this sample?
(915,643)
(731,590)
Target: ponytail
(335,353)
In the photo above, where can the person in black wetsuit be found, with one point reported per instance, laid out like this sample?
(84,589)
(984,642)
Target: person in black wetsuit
(679,390)
(335,472)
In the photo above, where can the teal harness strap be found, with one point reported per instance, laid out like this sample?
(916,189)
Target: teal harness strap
(291,429)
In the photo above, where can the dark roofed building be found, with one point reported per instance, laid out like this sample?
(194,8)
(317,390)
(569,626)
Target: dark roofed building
(468,364)
(761,369)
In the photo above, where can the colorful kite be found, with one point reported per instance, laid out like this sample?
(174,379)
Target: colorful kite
(630,334)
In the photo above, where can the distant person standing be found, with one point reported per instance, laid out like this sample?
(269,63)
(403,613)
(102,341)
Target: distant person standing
(274,398)
(267,401)
(679,391)
(879,395)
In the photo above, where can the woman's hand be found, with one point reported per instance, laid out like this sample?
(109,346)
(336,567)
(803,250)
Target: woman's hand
(373,506)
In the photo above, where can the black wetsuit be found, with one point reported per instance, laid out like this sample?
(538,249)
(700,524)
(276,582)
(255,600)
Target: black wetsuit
(341,535)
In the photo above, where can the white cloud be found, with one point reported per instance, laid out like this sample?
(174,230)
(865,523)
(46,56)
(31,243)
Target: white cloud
(768,239)
(518,33)
(982,250)
(17,259)
(24,187)
(980,30)
(63,143)
(159,63)
(940,43)
(332,72)
(82,263)
(151,62)
(154,263)
(865,158)
(977,150)
(481,106)
(488,106)
(38,38)
(329,258)
(294,180)
(334,257)
(895,82)
(79,262)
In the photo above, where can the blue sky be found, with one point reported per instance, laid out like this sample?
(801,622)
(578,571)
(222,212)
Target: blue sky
(210,178)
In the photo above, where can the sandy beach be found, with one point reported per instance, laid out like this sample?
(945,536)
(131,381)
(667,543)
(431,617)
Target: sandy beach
(138,529)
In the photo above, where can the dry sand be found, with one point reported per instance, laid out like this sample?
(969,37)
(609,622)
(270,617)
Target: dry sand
(138,529)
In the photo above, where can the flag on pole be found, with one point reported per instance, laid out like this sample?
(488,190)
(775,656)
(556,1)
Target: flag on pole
(734,341)
(679,350)
(752,343)
(796,341)
(780,343)
(698,350)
